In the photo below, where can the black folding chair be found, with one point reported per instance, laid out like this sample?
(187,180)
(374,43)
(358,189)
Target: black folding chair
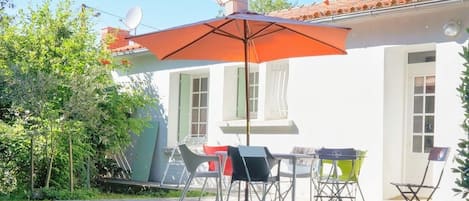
(410,191)
(253,164)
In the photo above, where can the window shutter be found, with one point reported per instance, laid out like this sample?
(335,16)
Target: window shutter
(184,106)
(241,101)
(277,85)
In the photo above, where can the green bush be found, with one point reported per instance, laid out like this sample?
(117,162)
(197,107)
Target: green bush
(62,194)
(462,156)
(61,112)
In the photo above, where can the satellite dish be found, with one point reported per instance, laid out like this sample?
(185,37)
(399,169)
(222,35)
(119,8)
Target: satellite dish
(133,17)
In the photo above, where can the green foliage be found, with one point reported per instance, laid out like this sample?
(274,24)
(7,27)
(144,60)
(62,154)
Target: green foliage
(60,194)
(55,92)
(6,4)
(122,192)
(266,6)
(462,157)
(13,158)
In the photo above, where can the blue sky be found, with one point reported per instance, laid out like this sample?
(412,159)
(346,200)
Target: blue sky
(159,14)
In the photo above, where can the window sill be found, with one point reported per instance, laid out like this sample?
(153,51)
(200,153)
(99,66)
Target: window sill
(281,126)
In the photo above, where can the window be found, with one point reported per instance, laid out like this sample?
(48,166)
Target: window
(193,106)
(423,114)
(421,57)
(253,93)
(199,106)
(268,84)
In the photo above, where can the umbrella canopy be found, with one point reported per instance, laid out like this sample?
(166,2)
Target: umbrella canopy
(245,37)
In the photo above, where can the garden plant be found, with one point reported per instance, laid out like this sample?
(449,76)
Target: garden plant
(462,156)
(61,113)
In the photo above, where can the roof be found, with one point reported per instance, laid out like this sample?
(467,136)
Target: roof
(317,11)
(128,48)
(340,7)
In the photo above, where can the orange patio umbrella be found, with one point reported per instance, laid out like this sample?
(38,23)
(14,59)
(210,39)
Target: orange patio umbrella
(245,37)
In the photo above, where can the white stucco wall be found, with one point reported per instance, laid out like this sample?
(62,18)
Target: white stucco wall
(448,67)
(353,100)
(394,112)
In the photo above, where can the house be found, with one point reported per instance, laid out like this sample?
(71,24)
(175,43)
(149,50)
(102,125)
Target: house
(394,93)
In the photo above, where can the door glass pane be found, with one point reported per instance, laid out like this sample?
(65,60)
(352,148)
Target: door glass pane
(418,124)
(251,106)
(203,100)
(195,85)
(253,78)
(194,129)
(429,104)
(418,85)
(421,57)
(418,104)
(252,90)
(195,100)
(202,129)
(429,124)
(430,84)
(256,105)
(417,144)
(204,84)
(203,115)
(195,115)
(428,143)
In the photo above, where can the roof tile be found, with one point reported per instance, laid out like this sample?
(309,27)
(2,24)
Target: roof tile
(127,48)
(337,7)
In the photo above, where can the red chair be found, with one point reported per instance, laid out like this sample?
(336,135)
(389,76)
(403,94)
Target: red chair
(227,169)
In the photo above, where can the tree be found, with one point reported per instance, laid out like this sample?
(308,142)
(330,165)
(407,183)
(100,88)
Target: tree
(53,84)
(266,6)
(462,156)
(6,4)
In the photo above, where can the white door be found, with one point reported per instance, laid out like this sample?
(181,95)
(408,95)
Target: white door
(420,120)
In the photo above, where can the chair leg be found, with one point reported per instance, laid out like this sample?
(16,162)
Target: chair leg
(219,189)
(311,189)
(229,192)
(186,187)
(360,190)
(203,189)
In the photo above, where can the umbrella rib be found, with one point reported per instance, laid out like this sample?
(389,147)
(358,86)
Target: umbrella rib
(198,39)
(312,38)
(223,33)
(255,35)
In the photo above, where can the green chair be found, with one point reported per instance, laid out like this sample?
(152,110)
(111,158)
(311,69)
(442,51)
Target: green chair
(351,172)
(338,174)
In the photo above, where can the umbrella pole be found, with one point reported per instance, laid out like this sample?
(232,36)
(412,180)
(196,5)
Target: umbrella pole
(246,85)
(246,81)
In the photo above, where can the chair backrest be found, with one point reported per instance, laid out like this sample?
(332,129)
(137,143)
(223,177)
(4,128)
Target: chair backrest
(337,154)
(250,163)
(227,170)
(191,159)
(341,163)
(303,150)
(437,154)
(351,168)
